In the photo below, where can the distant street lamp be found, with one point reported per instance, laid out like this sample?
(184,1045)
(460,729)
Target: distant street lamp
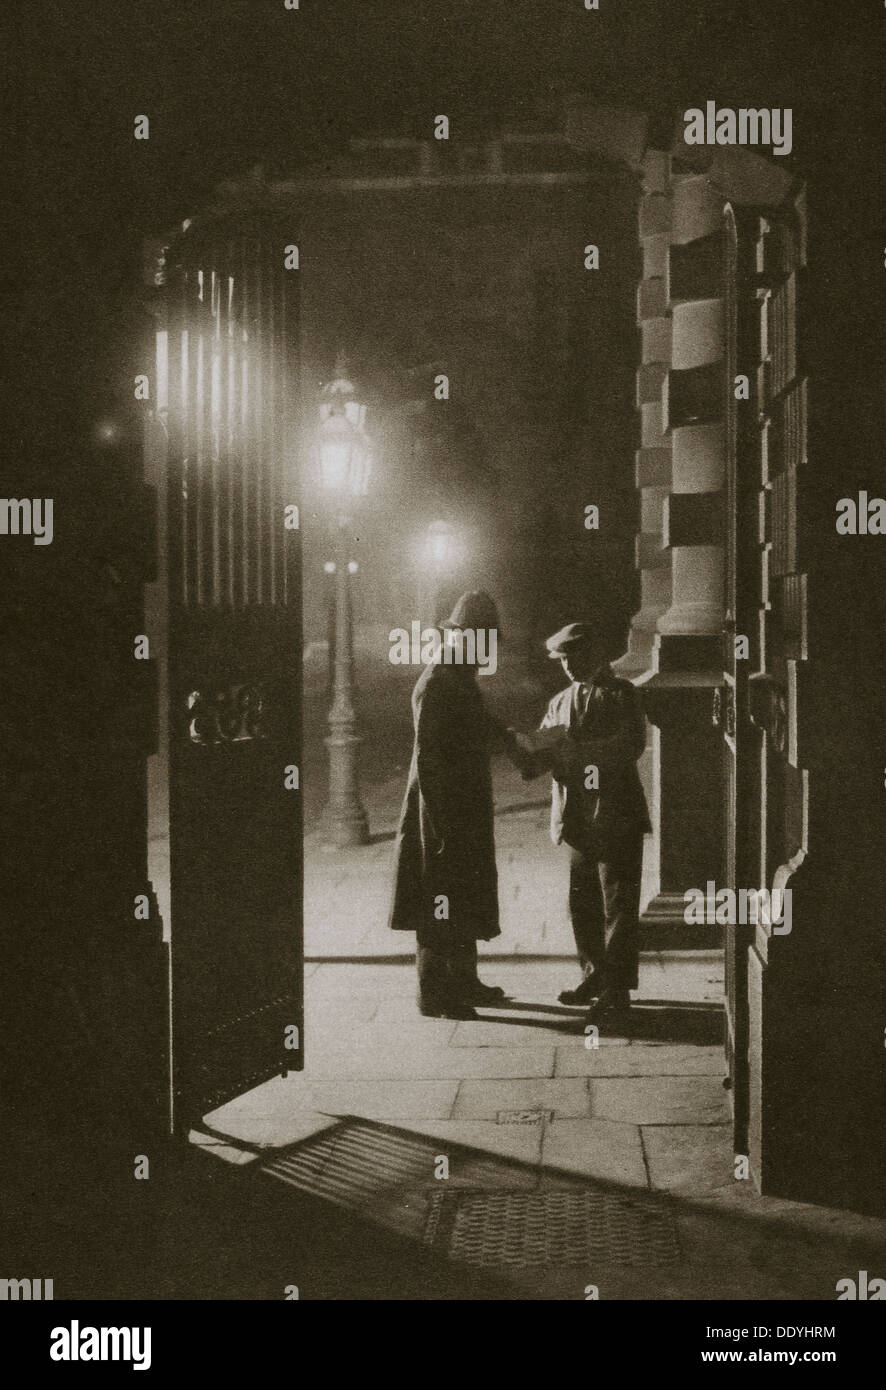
(329,593)
(438,553)
(344,452)
(440,543)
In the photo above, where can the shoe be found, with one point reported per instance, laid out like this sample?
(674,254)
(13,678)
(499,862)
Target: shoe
(485,994)
(429,1008)
(583,994)
(610,1002)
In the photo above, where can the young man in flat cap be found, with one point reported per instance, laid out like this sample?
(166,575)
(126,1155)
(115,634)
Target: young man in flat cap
(446,882)
(599,812)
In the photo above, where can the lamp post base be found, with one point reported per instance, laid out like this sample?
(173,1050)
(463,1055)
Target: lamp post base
(344,820)
(343,829)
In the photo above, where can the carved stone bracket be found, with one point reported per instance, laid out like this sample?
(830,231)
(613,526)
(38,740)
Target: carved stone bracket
(768,704)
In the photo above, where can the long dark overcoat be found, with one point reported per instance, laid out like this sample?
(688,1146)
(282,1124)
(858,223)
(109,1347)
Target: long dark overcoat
(445,842)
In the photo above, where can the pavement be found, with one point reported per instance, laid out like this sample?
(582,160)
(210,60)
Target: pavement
(348,893)
(571,1161)
(514,1149)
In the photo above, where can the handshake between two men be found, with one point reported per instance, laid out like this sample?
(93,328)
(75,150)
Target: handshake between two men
(589,740)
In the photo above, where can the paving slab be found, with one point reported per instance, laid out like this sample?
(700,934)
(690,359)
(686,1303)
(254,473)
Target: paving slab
(639,1111)
(320,1011)
(430,1063)
(493,1030)
(738,1257)
(341,1034)
(361,980)
(594,1148)
(487,1099)
(637,1060)
(382,1100)
(402,1012)
(696,1158)
(347,892)
(522,1143)
(275,1114)
(660,1100)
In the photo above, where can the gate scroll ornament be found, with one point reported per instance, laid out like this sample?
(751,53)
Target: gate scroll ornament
(231,715)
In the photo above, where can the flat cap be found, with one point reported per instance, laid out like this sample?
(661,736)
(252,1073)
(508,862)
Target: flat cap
(569,639)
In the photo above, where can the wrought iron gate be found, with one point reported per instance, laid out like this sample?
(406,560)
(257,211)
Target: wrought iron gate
(233,648)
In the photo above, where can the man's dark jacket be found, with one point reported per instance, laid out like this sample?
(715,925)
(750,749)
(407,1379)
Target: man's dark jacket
(610,734)
(445,843)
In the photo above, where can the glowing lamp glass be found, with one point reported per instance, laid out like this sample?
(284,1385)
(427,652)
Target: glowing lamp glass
(439,544)
(345,456)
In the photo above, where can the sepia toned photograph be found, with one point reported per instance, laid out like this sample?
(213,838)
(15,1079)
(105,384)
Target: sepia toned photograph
(444,653)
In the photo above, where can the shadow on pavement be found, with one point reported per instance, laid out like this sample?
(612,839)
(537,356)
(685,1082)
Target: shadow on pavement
(652,1020)
(498,1228)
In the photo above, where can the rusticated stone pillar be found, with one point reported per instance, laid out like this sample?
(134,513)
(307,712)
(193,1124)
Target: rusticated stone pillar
(685,660)
(653,458)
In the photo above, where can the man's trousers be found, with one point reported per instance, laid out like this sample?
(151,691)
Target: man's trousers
(447,967)
(604,905)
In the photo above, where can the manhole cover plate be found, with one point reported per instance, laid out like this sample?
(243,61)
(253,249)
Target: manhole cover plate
(522,1117)
(543,1228)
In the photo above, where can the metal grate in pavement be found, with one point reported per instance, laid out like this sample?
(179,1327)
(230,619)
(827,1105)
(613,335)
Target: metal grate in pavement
(544,1228)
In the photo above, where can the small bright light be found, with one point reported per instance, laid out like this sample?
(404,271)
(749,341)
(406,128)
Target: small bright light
(353,567)
(439,544)
(329,567)
(106,431)
(343,447)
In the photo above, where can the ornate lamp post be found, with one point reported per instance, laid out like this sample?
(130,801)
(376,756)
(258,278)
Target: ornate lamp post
(437,556)
(345,456)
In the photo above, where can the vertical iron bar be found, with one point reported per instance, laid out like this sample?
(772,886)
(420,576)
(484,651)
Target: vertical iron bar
(177,525)
(231,424)
(243,470)
(200,433)
(192,416)
(274,430)
(259,417)
(215,423)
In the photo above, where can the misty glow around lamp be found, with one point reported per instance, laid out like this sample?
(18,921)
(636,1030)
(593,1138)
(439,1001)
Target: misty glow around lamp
(344,449)
(439,544)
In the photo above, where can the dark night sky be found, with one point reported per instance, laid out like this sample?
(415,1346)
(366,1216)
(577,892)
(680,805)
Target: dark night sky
(227,83)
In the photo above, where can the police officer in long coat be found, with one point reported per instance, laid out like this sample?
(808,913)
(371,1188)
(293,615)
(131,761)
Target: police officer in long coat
(446,882)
